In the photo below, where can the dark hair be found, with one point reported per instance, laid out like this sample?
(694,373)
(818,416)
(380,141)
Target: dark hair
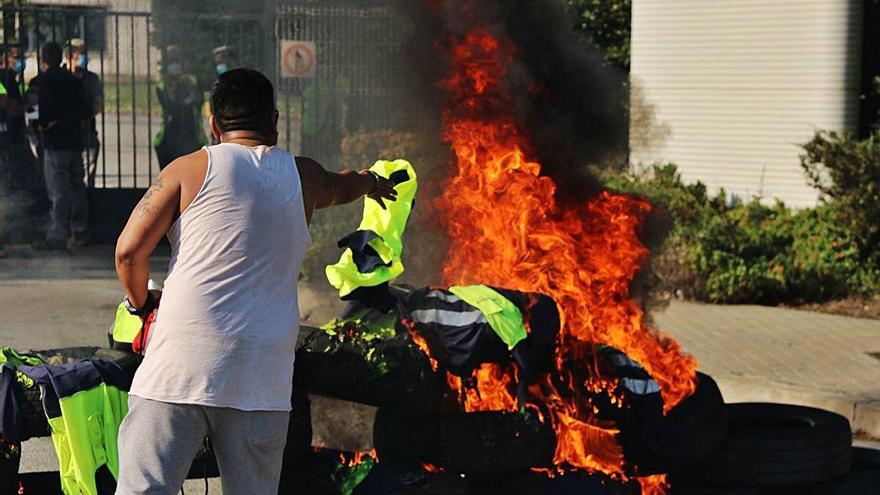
(51,53)
(9,46)
(243,99)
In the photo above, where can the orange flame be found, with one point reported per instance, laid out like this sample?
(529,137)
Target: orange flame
(654,485)
(508,228)
(490,392)
(432,468)
(357,458)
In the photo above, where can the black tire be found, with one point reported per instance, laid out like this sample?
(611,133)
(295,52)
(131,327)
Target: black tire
(777,445)
(560,484)
(385,479)
(493,443)
(128,361)
(692,431)
(9,462)
(485,443)
(865,459)
(298,448)
(403,439)
(383,373)
(33,418)
(44,483)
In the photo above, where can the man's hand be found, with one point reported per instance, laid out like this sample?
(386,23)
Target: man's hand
(384,189)
(322,189)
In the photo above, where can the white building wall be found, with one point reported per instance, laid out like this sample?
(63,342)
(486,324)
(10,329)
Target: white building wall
(130,27)
(738,84)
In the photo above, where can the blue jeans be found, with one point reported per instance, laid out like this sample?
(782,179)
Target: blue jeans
(69,211)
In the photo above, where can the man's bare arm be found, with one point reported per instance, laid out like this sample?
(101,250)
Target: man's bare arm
(150,220)
(322,189)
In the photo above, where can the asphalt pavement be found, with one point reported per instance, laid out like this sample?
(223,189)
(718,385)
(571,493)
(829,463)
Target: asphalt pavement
(68,299)
(754,353)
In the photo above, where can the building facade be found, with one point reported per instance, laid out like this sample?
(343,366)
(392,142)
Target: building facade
(734,86)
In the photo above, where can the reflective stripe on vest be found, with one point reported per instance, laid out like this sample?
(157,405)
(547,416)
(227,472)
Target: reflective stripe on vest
(388,224)
(504,317)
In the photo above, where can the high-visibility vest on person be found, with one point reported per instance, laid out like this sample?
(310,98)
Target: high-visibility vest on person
(166,119)
(4,121)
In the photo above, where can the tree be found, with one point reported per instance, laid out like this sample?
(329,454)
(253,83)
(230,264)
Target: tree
(608,23)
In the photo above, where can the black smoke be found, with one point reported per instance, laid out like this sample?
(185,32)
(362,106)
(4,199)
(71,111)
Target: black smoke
(570,103)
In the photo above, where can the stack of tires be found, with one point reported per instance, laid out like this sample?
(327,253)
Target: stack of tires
(422,439)
(781,449)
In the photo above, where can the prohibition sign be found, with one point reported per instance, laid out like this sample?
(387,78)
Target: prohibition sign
(298,58)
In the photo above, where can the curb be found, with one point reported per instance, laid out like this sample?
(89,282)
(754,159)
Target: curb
(863,414)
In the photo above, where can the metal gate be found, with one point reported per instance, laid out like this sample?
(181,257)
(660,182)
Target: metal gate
(355,86)
(358,83)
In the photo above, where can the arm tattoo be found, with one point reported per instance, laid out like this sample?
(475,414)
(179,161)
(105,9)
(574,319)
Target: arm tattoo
(143,208)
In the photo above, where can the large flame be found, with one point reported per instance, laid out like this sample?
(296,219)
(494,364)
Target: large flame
(508,228)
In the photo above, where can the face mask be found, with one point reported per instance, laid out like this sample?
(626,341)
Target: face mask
(19,65)
(221,68)
(174,68)
(83,61)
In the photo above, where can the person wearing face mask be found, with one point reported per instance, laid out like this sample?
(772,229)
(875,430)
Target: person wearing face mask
(26,176)
(181,99)
(224,61)
(78,62)
(63,112)
(12,78)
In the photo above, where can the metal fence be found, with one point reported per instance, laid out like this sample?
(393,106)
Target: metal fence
(358,83)
(353,86)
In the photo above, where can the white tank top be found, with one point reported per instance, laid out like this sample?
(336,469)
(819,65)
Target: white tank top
(226,329)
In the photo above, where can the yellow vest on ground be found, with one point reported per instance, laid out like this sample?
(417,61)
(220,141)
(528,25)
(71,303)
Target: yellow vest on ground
(504,317)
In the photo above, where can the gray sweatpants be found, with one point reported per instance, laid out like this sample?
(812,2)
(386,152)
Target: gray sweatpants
(158,441)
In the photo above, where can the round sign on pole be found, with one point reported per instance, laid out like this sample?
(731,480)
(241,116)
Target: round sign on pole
(298,58)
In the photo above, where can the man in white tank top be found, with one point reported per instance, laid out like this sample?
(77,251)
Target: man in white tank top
(219,362)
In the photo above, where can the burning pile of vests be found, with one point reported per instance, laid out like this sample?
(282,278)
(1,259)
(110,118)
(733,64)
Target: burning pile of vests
(398,347)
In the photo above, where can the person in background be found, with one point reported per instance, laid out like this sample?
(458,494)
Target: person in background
(12,78)
(5,167)
(78,61)
(224,59)
(181,100)
(25,175)
(64,109)
(12,64)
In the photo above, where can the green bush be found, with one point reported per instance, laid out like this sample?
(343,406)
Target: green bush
(725,251)
(608,23)
(846,171)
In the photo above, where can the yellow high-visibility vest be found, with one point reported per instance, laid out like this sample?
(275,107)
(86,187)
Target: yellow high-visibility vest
(504,317)
(388,224)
